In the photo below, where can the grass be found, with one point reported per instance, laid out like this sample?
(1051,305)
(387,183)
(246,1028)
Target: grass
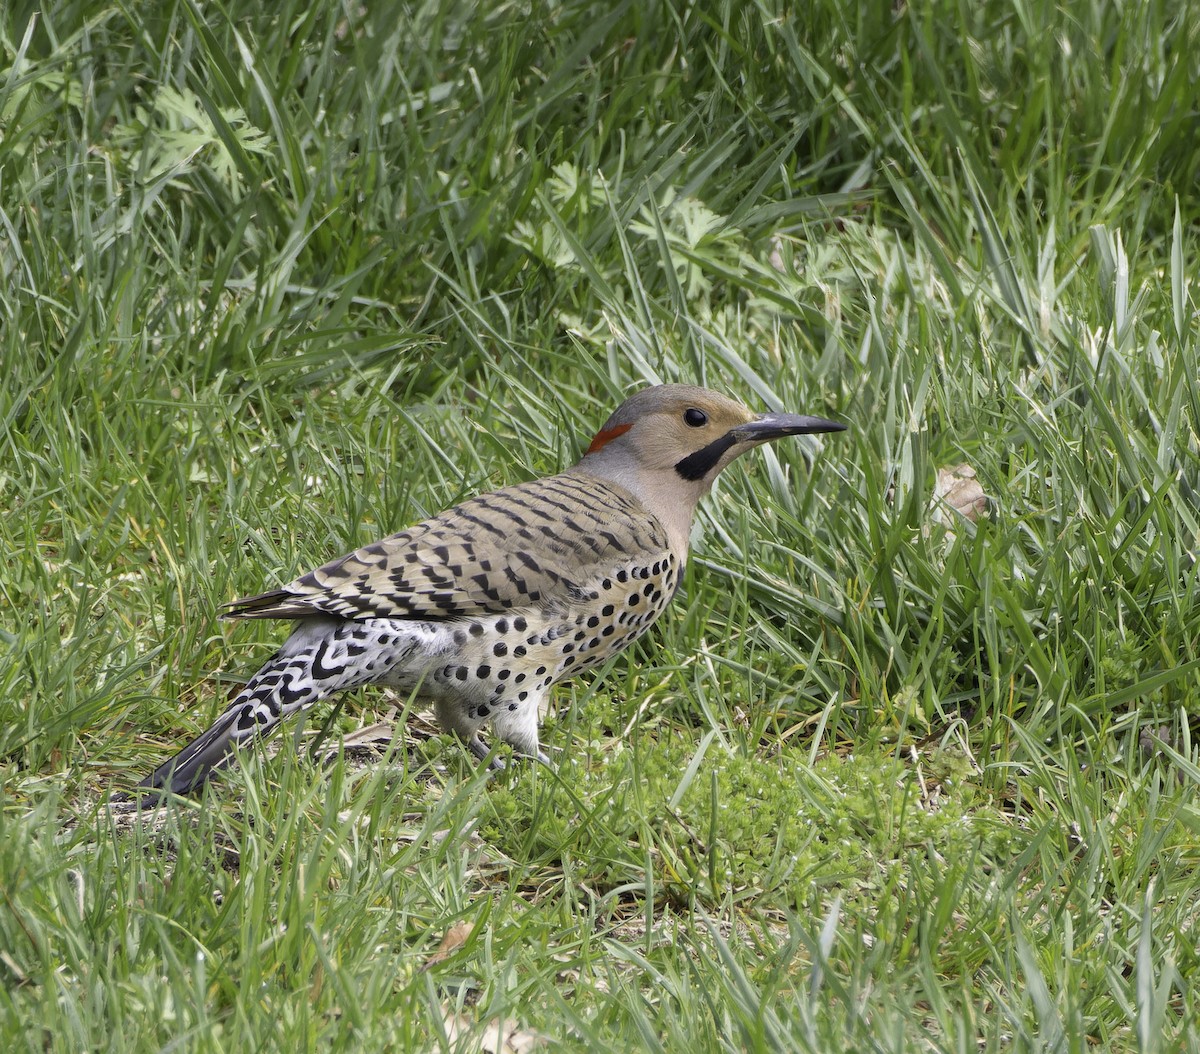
(278,282)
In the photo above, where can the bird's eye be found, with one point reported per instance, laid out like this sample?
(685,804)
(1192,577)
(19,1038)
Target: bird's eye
(695,418)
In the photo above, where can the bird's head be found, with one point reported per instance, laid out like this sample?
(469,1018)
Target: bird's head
(668,443)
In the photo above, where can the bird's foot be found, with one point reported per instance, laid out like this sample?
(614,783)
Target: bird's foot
(495,763)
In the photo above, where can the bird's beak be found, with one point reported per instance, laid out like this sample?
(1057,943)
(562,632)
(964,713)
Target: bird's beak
(775,426)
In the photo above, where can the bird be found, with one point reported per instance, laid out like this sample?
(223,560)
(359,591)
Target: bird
(482,609)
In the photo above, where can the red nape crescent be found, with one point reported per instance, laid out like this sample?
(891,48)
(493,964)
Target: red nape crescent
(607,436)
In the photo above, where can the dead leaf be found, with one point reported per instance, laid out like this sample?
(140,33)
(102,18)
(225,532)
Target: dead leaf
(500,1035)
(380,735)
(958,489)
(776,257)
(455,937)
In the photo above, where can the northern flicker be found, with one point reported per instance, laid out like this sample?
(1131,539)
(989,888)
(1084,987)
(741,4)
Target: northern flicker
(482,609)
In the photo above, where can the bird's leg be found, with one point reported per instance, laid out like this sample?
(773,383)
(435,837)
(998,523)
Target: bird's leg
(517,725)
(481,751)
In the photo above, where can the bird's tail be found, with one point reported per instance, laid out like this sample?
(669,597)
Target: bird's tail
(189,770)
(318,659)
